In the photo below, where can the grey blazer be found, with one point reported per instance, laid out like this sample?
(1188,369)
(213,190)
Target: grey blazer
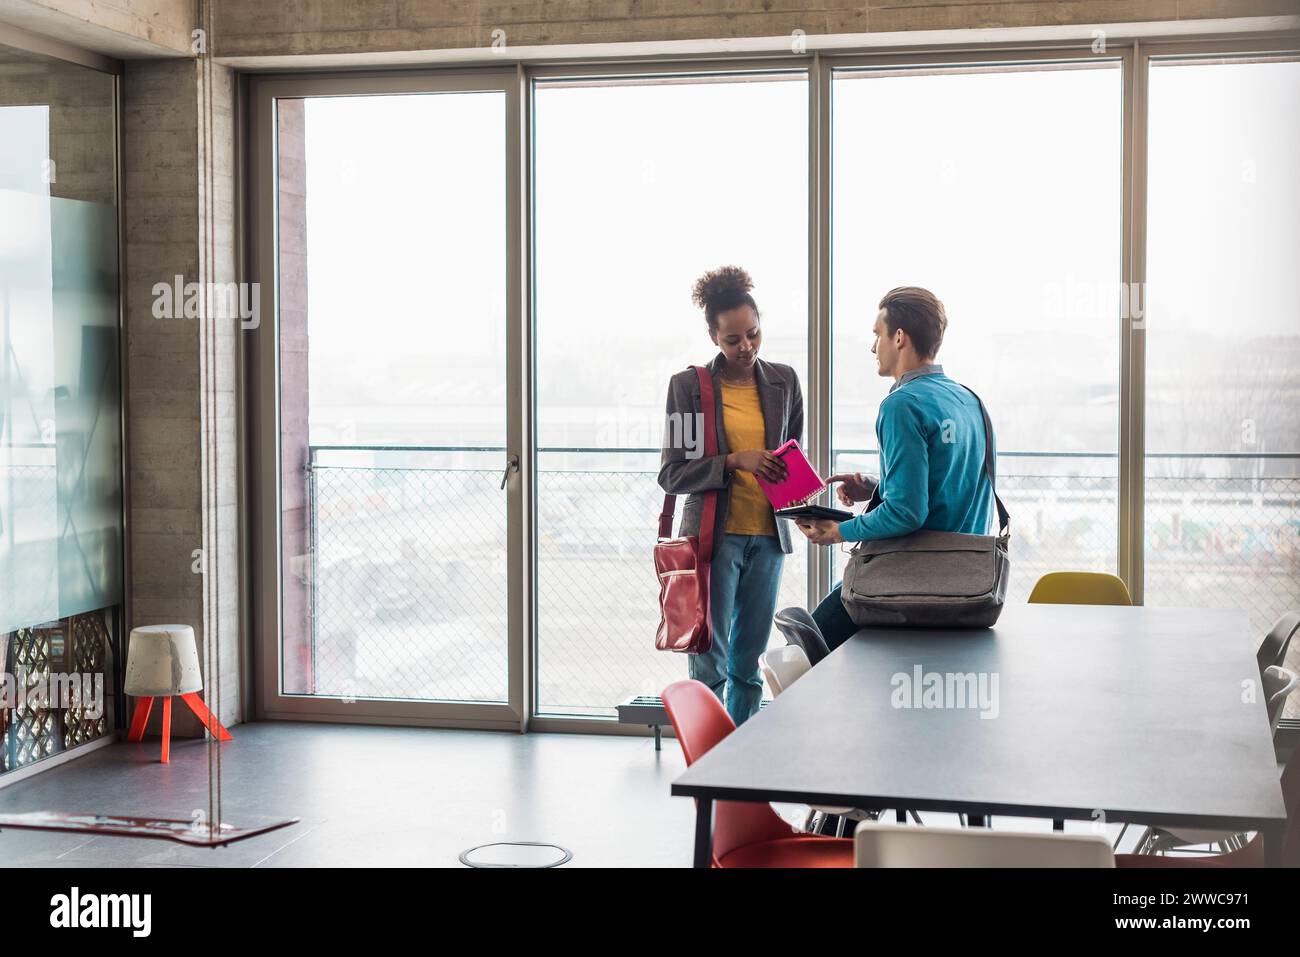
(781,400)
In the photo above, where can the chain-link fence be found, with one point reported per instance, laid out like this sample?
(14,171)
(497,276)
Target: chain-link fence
(1226,542)
(409,583)
(1063,514)
(410,577)
(597,594)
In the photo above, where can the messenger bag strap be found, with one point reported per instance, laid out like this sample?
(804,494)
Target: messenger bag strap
(990,465)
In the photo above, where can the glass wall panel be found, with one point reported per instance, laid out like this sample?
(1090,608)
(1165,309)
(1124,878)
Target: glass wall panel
(60,405)
(1223,338)
(999,189)
(640,187)
(60,398)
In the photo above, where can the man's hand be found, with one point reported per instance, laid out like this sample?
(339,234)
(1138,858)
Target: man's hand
(853,487)
(824,531)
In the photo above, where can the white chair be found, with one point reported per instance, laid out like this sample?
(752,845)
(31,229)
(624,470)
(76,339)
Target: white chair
(783,666)
(1278,685)
(892,845)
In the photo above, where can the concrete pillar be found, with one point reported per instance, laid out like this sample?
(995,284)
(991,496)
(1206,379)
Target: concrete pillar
(181,373)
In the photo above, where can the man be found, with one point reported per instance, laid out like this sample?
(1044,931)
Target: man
(931,438)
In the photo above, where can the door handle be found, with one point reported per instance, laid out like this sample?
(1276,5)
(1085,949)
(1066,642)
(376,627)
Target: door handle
(512,465)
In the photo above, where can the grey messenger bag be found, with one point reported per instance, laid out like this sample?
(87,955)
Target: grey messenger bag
(932,579)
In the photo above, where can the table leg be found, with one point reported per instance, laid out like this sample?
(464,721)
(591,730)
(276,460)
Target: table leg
(703,832)
(1273,838)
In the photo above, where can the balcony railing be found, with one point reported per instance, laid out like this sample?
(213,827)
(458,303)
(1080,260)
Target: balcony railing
(408,593)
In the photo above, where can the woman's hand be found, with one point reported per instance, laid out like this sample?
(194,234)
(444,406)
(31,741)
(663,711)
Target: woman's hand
(759,462)
(853,487)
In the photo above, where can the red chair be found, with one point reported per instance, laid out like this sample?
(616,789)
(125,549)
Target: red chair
(1252,855)
(745,834)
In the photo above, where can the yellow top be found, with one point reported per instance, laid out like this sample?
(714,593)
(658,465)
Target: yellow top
(748,512)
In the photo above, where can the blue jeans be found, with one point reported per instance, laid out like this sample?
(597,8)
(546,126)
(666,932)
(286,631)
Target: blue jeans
(743,581)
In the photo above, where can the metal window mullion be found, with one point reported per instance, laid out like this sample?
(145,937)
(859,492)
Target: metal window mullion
(1132,412)
(313,553)
(519,412)
(820,383)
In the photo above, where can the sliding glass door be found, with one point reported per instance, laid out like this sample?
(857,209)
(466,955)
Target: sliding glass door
(390,236)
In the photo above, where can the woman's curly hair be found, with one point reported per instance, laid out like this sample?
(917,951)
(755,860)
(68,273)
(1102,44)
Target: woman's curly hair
(721,289)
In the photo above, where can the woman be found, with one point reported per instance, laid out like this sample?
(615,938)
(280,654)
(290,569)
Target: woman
(758,406)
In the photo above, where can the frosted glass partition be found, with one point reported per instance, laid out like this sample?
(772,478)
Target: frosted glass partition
(60,395)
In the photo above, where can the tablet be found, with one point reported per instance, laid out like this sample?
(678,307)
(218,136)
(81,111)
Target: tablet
(814,512)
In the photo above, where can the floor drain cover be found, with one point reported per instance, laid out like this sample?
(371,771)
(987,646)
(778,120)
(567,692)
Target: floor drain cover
(516,854)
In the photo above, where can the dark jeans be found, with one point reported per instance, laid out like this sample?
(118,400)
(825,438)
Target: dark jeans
(836,625)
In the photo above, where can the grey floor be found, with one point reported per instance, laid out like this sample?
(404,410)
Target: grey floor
(389,797)
(371,796)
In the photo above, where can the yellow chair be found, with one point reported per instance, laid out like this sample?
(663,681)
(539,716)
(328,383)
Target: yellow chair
(1080,588)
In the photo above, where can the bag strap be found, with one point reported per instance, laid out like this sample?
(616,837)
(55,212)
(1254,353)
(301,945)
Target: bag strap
(709,512)
(990,469)
(990,465)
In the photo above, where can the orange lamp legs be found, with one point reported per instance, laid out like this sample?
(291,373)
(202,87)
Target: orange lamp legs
(140,718)
(207,717)
(167,729)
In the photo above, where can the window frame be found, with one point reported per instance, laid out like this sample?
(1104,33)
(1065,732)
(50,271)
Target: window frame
(1135,55)
(260,363)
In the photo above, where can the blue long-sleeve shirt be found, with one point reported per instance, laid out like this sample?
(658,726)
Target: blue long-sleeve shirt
(931,436)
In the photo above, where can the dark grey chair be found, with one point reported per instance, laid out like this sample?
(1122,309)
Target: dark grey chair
(800,629)
(1273,648)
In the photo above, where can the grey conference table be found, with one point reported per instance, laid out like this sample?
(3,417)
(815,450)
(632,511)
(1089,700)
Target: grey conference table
(1138,714)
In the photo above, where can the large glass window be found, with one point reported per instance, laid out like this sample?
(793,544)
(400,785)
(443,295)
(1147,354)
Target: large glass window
(392,264)
(999,189)
(640,187)
(1223,337)
(408,376)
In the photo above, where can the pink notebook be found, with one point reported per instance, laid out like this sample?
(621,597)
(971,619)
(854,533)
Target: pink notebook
(801,484)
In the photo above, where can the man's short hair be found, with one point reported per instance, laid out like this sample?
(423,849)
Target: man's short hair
(919,313)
